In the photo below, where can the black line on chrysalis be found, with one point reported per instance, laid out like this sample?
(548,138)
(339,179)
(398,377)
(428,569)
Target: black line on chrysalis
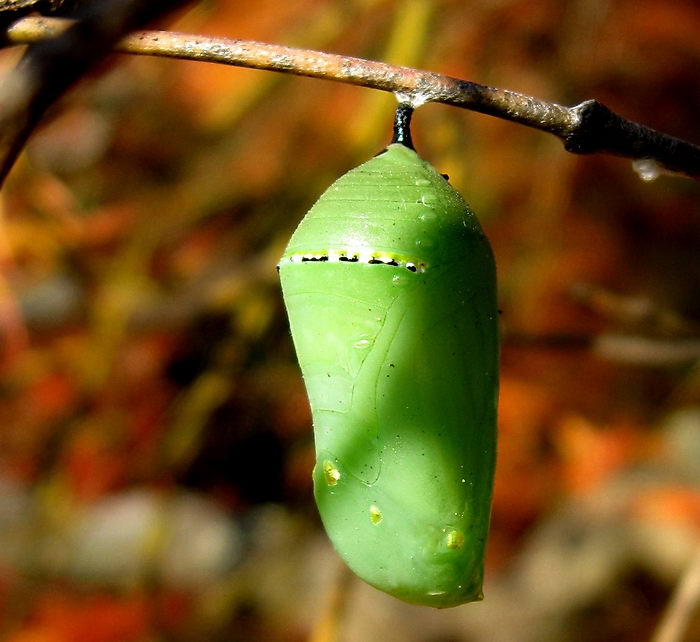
(402,125)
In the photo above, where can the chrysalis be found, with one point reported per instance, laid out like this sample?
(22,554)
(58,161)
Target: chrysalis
(390,287)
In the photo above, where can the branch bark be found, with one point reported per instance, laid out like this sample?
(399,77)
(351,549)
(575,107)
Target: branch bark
(587,128)
(52,65)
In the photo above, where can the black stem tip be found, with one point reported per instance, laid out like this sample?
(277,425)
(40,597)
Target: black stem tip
(402,125)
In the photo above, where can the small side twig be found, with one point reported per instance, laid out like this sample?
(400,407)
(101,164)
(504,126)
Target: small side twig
(586,128)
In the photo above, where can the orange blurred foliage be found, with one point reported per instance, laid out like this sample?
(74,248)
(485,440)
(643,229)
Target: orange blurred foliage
(96,618)
(146,354)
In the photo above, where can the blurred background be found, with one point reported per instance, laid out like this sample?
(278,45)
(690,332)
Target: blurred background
(156,446)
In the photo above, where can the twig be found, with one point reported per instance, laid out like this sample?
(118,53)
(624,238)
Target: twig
(683,602)
(49,67)
(11,10)
(586,128)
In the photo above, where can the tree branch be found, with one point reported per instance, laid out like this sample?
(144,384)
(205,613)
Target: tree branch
(587,128)
(52,65)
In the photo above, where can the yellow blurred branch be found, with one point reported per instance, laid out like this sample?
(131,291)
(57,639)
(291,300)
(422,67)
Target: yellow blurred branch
(681,606)
(586,128)
(328,626)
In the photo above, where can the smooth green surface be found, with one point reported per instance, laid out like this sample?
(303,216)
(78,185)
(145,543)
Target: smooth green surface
(401,369)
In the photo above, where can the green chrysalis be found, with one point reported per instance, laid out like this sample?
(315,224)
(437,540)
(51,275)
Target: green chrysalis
(389,283)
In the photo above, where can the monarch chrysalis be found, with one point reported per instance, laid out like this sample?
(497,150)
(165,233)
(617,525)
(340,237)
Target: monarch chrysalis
(389,283)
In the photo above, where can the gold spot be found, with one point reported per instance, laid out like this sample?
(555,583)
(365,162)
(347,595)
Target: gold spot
(375,515)
(331,473)
(455,539)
